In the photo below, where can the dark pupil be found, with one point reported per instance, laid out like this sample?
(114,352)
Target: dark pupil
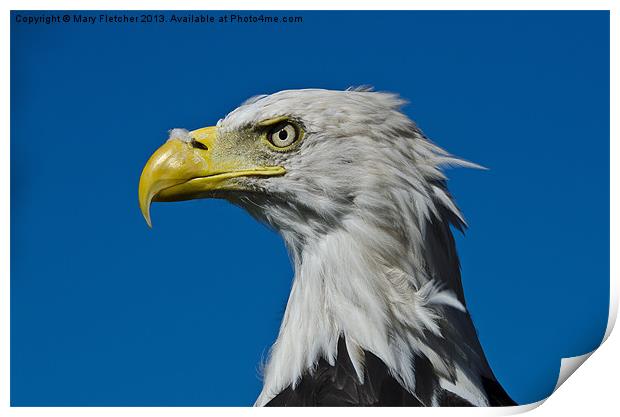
(282,134)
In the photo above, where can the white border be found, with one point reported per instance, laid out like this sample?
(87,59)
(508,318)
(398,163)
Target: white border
(593,391)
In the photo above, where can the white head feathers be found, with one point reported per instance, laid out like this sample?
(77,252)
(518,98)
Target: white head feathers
(366,215)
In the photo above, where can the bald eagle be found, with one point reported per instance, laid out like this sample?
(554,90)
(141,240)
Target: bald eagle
(376,313)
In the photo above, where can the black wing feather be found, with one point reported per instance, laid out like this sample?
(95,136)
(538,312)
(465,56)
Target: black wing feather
(338,385)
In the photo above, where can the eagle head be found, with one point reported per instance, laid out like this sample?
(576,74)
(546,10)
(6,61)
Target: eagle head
(304,161)
(358,194)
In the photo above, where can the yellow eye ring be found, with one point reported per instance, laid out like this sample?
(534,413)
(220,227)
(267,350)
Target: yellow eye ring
(283,135)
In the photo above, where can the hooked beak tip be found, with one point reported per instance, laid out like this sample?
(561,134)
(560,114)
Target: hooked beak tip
(145,208)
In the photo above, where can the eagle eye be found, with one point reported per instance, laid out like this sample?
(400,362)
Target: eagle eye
(283,135)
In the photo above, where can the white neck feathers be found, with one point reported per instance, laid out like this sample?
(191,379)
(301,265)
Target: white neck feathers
(345,286)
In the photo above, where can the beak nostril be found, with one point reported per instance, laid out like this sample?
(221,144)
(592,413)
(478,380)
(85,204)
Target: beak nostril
(198,145)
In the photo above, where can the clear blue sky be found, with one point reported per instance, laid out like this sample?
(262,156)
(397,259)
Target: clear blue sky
(105,311)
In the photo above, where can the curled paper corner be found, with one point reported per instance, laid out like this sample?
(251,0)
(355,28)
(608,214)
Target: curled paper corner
(568,366)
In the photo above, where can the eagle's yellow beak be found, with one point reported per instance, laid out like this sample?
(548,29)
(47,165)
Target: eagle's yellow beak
(190,167)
